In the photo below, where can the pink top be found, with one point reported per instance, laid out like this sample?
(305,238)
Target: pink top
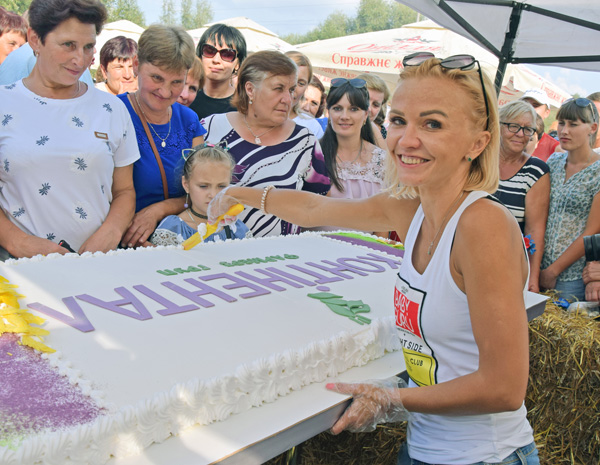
(360,181)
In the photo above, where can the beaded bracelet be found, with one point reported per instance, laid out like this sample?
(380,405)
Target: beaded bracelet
(263,200)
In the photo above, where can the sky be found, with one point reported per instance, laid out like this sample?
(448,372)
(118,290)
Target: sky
(300,16)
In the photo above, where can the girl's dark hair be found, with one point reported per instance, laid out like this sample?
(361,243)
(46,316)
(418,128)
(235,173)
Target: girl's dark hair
(229,35)
(329,143)
(46,15)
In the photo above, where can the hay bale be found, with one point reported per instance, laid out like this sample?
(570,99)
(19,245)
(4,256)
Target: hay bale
(563,400)
(563,397)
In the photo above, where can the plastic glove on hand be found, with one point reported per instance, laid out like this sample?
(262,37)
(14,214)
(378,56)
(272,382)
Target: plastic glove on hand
(211,228)
(373,402)
(220,205)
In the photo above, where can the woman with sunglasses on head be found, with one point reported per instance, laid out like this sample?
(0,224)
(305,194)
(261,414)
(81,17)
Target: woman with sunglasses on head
(163,127)
(222,50)
(574,199)
(355,164)
(524,181)
(459,295)
(269,148)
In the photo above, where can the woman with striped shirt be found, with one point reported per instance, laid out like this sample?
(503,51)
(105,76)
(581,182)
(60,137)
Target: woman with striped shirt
(524,180)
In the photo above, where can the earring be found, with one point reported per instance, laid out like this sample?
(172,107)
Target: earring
(251,102)
(36,53)
(469,159)
(187,198)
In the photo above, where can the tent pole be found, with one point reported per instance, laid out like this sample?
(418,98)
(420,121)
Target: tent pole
(500,75)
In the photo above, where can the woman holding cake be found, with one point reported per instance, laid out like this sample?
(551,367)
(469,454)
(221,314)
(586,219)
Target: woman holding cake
(163,127)
(459,295)
(67,149)
(268,147)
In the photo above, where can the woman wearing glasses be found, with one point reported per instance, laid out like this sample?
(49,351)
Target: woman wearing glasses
(163,127)
(574,200)
(524,181)
(267,146)
(459,295)
(222,50)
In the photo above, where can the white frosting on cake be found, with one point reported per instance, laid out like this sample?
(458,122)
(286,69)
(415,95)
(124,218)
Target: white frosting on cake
(160,375)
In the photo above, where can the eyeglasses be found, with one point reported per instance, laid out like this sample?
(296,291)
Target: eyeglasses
(583,102)
(515,128)
(227,54)
(462,62)
(357,83)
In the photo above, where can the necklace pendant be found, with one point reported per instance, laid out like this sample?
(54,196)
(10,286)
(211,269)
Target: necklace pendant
(257,140)
(163,144)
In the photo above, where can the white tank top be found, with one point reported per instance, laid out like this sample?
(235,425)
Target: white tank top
(434,325)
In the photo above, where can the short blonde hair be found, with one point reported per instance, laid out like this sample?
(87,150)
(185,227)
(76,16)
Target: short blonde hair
(484,171)
(374,82)
(514,110)
(168,47)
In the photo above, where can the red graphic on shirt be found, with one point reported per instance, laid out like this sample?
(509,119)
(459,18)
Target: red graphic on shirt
(407,313)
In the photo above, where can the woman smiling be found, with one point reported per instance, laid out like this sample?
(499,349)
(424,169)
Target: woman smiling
(268,147)
(163,127)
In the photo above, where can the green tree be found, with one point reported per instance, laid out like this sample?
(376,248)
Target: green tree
(169,13)
(372,15)
(187,15)
(203,13)
(16,6)
(125,9)
(400,15)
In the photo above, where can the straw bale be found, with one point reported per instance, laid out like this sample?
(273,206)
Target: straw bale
(563,400)
(563,397)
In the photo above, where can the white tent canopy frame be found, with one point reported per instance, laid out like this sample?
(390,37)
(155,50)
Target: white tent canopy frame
(545,32)
(381,53)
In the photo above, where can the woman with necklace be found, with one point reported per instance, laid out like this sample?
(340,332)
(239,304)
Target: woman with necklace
(524,180)
(574,199)
(459,293)
(163,127)
(66,161)
(355,164)
(267,146)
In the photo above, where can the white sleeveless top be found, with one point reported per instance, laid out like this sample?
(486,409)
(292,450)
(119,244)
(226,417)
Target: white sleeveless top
(434,325)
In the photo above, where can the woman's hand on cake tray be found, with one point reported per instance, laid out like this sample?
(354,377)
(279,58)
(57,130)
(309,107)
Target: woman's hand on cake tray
(373,402)
(30,246)
(141,228)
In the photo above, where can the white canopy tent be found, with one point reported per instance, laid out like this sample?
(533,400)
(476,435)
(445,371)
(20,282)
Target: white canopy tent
(122,27)
(381,53)
(555,32)
(257,37)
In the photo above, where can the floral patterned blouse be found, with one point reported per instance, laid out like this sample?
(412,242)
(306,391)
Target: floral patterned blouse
(570,204)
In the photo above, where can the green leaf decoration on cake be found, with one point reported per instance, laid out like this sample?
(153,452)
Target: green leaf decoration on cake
(347,308)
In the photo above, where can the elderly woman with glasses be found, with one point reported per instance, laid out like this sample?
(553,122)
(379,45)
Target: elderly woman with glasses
(574,199)
(222,50)
(269,148)
(459,294)
(524,181)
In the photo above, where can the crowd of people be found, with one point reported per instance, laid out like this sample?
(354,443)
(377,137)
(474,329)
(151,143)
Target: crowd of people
(169,135)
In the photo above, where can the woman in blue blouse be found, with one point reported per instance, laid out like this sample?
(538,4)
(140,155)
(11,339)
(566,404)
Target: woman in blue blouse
(574,200)
(165,54)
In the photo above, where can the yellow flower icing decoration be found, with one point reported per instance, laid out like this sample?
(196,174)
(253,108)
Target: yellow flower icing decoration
(14,319)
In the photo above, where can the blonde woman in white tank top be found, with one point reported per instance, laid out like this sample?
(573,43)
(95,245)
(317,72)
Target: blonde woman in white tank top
(459,297)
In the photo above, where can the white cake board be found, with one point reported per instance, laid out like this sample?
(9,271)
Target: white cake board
(255,436)
(260,434)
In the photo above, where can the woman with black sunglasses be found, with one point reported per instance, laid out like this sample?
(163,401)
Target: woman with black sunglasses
(459,295)
(222,50)
(574,199)
(524,180)
(354,162)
